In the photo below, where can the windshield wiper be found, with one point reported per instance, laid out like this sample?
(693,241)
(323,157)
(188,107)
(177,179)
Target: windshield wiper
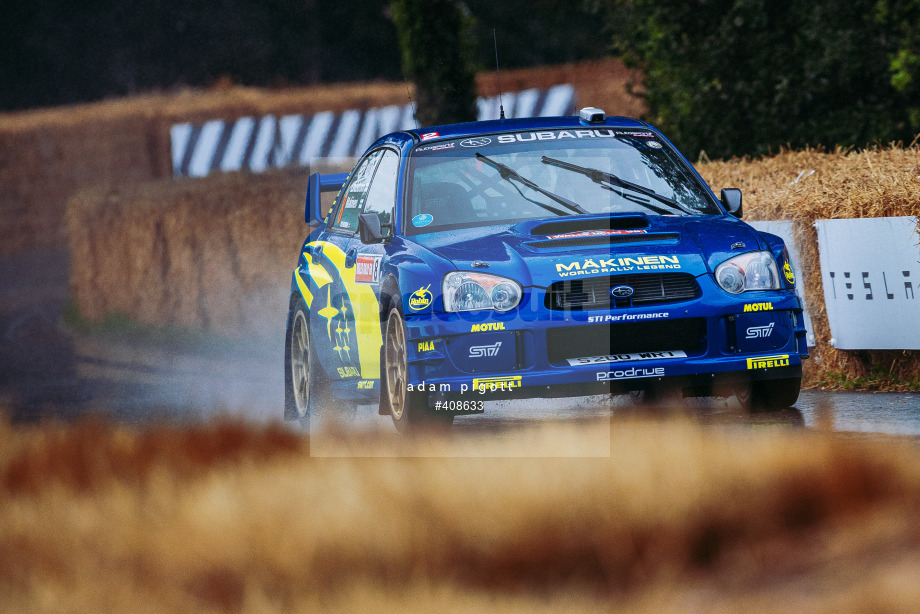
(603,178)
(507,173)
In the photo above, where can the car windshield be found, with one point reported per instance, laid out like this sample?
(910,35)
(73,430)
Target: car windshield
(508,178)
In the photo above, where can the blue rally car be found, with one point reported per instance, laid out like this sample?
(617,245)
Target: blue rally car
(538,257)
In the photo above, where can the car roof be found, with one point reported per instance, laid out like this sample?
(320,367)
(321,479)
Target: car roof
(468,129)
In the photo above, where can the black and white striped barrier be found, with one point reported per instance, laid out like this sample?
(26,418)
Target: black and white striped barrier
(258,143)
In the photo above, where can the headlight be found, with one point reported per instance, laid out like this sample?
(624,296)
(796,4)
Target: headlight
(751,271)
(471,291)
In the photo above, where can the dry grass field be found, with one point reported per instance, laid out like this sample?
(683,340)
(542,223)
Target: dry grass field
(230,518)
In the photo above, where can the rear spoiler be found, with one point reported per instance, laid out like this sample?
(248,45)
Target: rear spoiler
(315,187)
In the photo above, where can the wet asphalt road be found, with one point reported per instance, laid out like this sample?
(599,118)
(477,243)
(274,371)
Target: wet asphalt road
(49,372)
(867,412)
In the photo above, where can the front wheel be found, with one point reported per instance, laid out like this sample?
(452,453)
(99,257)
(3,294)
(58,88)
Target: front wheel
(408,408)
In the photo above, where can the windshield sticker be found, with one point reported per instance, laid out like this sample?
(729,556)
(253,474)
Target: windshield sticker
(422,219)
(436,147)
(556,135)
(367,269)
(593,360)
(551,135)
(420,299)
(596,233)
(478,142)
(617,265)
(429,135)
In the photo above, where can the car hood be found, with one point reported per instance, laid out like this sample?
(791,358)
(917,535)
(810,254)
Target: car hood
(541,252)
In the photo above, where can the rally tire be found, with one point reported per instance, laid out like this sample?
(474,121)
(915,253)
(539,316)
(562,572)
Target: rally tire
(306,389)
(408,408)
(774,395)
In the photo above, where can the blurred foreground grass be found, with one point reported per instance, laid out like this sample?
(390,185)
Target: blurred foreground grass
(234,517)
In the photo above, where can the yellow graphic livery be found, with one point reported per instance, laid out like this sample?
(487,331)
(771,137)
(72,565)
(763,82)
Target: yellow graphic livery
(363,303)
(787,271)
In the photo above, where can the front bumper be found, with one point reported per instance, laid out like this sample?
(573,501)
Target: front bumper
(707,344)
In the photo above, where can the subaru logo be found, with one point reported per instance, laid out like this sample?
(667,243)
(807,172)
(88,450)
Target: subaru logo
(478,142)
(621,291)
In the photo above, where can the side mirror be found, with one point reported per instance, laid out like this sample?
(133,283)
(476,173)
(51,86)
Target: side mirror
(731,200)
(369,228)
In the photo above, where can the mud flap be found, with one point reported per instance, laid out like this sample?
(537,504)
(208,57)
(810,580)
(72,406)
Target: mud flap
(383,408)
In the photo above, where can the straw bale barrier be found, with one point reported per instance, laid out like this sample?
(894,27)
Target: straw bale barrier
(876,182)
(213,253)
(48,155)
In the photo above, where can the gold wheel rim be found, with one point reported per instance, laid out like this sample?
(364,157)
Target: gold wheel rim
(397,366)
(300,363)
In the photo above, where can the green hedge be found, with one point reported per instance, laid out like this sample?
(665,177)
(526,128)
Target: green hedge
(748,76)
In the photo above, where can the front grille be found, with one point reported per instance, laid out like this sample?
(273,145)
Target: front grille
(660,237)
(649,288)
(688,335)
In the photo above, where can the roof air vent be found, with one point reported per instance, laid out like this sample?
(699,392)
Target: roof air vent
(592,115)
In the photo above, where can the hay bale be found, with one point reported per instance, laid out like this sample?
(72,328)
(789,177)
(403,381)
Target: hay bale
(48,155)
(876,182)
(213,253)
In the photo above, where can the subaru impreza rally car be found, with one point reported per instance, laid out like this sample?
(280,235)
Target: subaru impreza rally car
(542,257)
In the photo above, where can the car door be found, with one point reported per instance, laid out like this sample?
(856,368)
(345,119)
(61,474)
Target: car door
(363,264)
(332,315)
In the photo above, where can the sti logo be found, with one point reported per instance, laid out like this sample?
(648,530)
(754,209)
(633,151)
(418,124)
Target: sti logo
(760,332)
(367,269)
(480,351)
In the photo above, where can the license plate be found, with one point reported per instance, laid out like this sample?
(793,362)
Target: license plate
(597,360)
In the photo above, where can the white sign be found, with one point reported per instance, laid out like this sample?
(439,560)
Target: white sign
(871,277)
(783,229)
